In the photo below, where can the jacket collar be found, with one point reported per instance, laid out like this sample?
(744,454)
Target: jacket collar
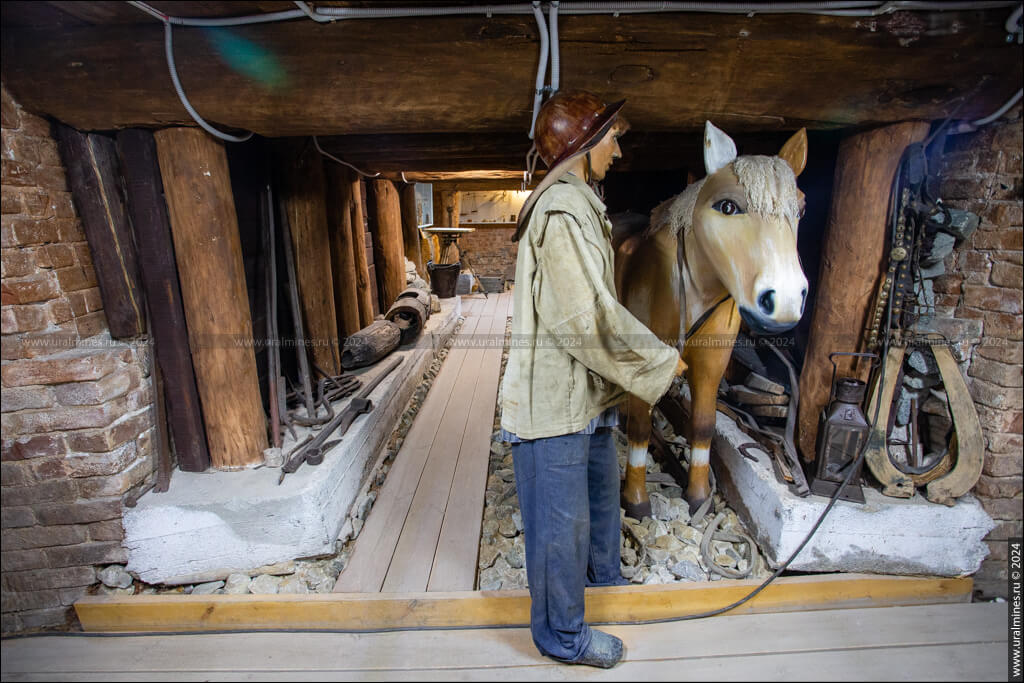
(586,191)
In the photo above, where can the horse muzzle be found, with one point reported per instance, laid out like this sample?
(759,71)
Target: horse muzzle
(760,324)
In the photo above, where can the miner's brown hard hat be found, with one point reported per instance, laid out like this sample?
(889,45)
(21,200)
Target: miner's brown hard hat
(570,123)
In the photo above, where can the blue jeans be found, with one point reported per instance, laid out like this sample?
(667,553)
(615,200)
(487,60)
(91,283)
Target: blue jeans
(568,488)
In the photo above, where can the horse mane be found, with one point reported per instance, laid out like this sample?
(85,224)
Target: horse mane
(768,183)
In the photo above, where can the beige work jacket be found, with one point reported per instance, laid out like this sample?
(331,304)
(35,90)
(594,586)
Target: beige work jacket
(575,350)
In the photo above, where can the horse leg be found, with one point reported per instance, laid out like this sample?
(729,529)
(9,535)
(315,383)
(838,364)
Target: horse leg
(706,354)
(634,498)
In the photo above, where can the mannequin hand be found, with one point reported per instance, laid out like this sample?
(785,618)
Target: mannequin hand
(680,368)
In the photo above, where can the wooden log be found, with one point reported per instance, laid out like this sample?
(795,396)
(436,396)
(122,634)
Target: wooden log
(197,187)
(410,312)
(410,230)
(343,256)
(370,344)
(159,270)
(904,68)
(752,397)
(94,176)
(364,286)
(761,383)
(851,263)
(388,257)
(303,196)
(446,208)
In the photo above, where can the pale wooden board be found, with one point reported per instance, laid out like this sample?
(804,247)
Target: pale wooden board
(414,553)
(455,559)
(376,542)
(931,642)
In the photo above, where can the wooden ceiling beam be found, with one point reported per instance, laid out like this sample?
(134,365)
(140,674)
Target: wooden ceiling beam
(476,74)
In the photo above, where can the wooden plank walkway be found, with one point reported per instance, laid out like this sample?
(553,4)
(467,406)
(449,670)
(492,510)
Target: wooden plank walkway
(423,533)
(930,642)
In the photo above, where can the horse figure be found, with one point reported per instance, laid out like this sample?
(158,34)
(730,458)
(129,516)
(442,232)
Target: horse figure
(722,251)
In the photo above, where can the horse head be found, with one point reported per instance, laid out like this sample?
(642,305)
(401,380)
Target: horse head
(744,228)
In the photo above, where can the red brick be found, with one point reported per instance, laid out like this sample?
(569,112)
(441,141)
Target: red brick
(997,550)
(1006,443)
(47,150)
(70,230)
(61,255)
(18,262)
(958,188)
(1015,257)
(1003,374)
(114,484)
(29,231)
(1005,214)
(10,200)
(47,469)
(26,398)
(16,473)
(1007,187)
(93,299)
(945,284)
(1000,299)
(91,324)
(995,396)
(88,465)
(998,487)
(59,311)
(35,126)
(63,205)
(26,319)
(31,289)
(26,538)
(1008,275)
(56,339)
(42,579)
(999,421)
(1003,326)
(37,204)
(110,530)
(11,112)
(17,560)
(7,238)
(108,438)
(33,447)
(43,492)
(1002,350)
(1002,508)
(1009,238)
(93,393)
(13,601)
(1004,530)
(77,302)
(1003,464)
(73,278)
(70,367)
(51,178)
(66,417)
(79,512)
(18,173)
(104,552)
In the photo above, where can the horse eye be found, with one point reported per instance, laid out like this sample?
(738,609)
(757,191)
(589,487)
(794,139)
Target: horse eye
(727,207)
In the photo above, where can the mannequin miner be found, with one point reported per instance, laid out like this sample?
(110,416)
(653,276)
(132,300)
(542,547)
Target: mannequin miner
(577,353)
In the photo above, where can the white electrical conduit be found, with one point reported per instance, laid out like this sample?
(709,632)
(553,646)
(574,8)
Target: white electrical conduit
(184,100)
(553,26)
(316,143)
(542,65)
(1002,110)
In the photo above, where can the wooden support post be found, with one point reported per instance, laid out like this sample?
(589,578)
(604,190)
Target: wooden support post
(197,187)
(303,196)
(364,288)
(410,231)
(152,229)
(852,260)
(447,204)
(388,256)
(343,257)
(94,177)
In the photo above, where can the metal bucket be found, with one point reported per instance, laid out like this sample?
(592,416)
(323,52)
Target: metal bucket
(443,278)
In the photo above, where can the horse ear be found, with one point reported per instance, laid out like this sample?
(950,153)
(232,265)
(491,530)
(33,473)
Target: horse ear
(719,149)
(794,152)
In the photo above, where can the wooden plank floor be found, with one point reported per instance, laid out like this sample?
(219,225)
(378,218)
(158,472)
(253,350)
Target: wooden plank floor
(424,530)
(930,642)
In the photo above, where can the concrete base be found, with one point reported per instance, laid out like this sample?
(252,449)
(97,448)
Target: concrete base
(883,536)
(210,524)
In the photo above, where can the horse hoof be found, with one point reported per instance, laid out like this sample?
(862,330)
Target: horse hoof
(637,510)
(695,504)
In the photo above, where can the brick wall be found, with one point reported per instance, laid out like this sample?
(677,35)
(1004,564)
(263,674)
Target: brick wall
(491,250)
(76,418)
(981,294)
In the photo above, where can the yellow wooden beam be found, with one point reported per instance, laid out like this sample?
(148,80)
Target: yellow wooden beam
(361,611)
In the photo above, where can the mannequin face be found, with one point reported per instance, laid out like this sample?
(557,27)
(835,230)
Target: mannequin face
(605,153)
